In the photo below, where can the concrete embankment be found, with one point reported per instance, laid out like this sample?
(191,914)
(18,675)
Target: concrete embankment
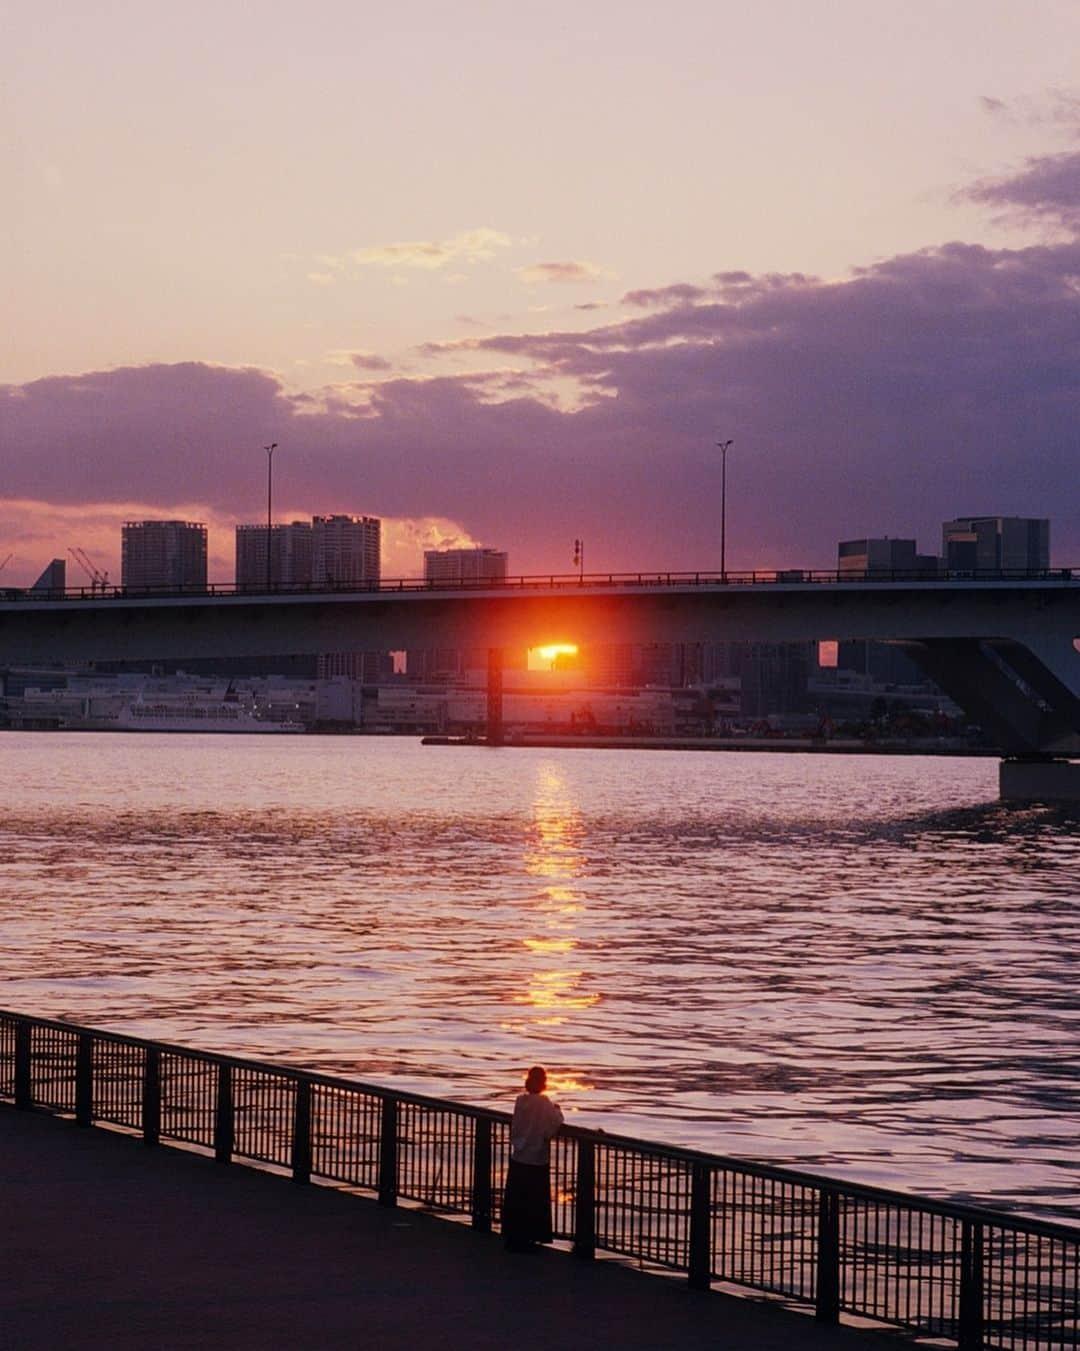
(811,745)
(108,1244)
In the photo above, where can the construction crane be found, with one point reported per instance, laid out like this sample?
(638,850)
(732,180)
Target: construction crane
(99,581)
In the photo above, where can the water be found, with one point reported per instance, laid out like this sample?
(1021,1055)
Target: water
(864,966)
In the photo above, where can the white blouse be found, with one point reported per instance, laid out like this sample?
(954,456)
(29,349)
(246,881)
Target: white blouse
(536,1120)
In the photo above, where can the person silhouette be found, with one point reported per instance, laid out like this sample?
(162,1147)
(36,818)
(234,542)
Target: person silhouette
(526,1213)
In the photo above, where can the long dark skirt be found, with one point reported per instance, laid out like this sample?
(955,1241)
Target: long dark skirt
(526,1215)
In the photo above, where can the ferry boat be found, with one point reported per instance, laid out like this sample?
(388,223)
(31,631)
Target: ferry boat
(186,715)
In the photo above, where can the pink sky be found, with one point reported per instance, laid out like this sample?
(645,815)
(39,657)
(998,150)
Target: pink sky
(505,274)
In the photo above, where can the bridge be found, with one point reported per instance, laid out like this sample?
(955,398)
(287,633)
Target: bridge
(1005,646)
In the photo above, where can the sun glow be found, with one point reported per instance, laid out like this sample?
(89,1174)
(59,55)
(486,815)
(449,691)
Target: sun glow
(549,656)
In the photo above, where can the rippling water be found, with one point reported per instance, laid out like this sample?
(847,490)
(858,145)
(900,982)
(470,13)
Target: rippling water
(863,965)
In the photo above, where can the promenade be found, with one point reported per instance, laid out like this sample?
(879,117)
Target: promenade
(108,1244)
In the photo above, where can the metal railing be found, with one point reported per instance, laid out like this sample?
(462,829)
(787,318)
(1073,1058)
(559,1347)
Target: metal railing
(978,1277)
(548,582)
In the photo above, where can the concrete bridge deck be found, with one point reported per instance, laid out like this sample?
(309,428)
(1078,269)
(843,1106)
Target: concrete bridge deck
(105,1243)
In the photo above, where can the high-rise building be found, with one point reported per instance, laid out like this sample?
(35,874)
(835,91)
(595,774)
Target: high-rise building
(464,565)
(345,549)
(867,557)
(290,555)
(167,554)
(451,566)
(990,543)
(882,555)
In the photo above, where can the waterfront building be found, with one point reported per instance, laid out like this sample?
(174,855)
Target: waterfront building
(867,556)
(637,665)
(774,678)
(345,549)
(290,561)
(465,565)
(167,554)
(368,667)
(987,543)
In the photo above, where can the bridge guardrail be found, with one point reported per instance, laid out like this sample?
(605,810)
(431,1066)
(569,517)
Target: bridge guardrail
(548,581)
(979,1277)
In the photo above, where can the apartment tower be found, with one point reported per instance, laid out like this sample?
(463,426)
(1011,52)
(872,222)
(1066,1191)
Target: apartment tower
(167,554)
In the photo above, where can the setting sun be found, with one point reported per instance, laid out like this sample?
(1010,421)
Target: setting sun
(546,656)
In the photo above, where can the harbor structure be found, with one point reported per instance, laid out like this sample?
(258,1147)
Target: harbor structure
(1017,680)
(166,554)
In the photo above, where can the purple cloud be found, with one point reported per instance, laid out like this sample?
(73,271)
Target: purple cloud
(368,361)
(933,384)
(1047,188)
(665,297)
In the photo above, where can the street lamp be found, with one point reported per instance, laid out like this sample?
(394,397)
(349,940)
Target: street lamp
(724,447)
(269,503)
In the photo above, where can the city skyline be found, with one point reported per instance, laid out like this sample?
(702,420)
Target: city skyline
(537,326)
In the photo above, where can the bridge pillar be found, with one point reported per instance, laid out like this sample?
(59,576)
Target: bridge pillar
(495,696)
(1040,780)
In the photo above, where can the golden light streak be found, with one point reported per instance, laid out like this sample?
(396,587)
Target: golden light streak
(555,857)
(550,944)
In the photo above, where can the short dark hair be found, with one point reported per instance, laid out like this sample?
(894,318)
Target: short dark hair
(536,1079)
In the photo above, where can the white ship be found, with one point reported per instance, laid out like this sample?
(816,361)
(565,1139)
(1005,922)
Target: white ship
(181,714)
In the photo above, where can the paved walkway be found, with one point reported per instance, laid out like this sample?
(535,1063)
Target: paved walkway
(109,1245)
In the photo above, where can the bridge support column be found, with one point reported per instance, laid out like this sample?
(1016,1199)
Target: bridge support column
(495,696)
(1040,781)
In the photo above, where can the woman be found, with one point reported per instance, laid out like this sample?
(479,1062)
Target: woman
(526,1214)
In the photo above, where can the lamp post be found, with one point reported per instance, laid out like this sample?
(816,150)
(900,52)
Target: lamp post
(724,447)
(269,504)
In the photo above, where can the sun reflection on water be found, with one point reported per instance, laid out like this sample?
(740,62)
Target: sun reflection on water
(554,856)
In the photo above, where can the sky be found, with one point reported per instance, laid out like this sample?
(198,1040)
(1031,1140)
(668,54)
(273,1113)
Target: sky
(505,274)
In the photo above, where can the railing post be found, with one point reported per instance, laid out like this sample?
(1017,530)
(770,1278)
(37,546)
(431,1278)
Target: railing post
(84,1080)
(301,1139)
(699,1272)
(24,1081)
(388,1154)
(827,1294)
(151,1096)
(224,1121)
(969,1331)
(481,1176)
(585,1201)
